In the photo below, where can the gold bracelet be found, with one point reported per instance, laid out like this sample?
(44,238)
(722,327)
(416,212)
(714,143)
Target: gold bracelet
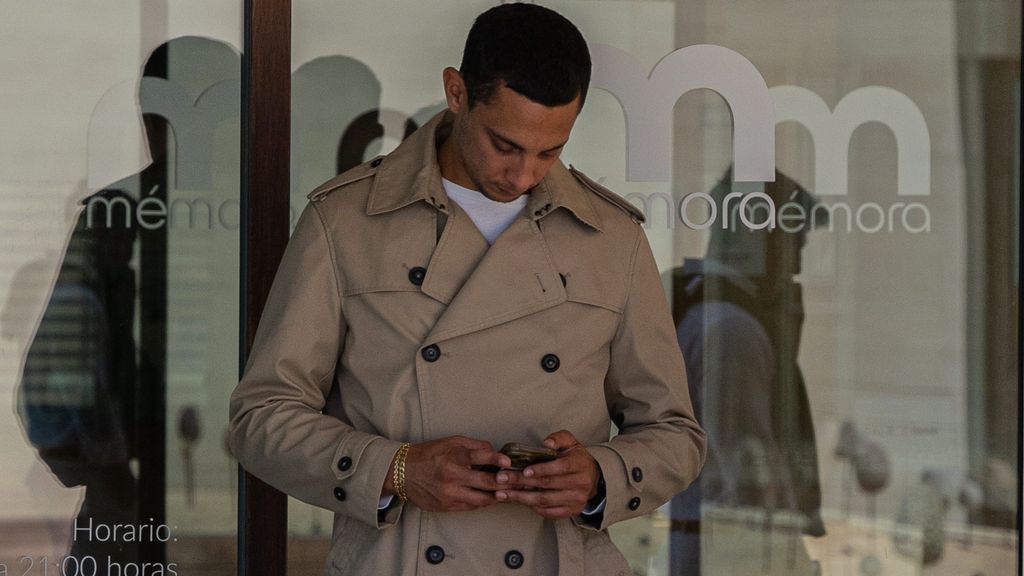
(398,474)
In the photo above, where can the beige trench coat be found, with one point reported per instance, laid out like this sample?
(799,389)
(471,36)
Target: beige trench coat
(392,320)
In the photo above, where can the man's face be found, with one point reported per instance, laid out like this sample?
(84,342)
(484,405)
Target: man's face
(505,146)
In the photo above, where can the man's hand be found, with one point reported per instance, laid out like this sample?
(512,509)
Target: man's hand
(556,489)
(439,475)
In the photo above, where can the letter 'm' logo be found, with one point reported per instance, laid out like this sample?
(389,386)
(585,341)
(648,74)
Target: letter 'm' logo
(831,133)
(648,102)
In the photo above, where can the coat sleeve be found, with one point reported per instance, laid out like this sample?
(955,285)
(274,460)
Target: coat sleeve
(660,447)
(278,430)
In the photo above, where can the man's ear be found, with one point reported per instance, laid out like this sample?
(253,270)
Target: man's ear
(454,89)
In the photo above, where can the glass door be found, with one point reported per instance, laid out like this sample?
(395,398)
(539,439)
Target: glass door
(868,261)
(119,287)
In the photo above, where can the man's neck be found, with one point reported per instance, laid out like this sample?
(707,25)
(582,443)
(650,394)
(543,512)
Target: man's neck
(450,162)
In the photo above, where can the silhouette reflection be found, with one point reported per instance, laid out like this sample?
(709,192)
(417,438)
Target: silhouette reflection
(93,393)
(77,400)
(739,313)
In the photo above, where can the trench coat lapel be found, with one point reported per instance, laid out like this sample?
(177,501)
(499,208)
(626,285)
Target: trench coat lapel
(459,251)
(515,277)
(411,174)
(482,286)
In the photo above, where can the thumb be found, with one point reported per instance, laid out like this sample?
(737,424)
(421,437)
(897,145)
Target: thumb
(561,440)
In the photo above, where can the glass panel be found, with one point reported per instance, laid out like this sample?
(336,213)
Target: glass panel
(119,287)
(849,319)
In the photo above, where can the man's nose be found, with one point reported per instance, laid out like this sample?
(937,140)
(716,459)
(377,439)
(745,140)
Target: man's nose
(523,174)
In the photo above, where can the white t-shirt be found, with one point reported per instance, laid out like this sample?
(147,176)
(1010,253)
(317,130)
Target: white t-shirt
(490,217)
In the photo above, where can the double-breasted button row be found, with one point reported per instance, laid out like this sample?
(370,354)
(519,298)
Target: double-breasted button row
(634,503)
(513,559)
(417,274)
(431,353)
(435,554)
(549,362)
(339,494)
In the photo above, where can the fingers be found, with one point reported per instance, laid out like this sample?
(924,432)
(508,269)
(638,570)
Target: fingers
(556,489)
(566,464)
(446,476)
(471,443)
(440,475)
(473,452)
(457,473)
(511,479)
(482,481)
(474,498)
(561,473)
(453,498)
(550,501)
(557,467)
(560,440)
(488,457)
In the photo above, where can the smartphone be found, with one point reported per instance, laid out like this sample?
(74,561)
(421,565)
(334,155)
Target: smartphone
(521,456)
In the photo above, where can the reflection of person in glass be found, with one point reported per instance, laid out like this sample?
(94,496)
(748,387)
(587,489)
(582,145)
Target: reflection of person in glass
(466,291)
(77,394)
(80,401)
(739,313)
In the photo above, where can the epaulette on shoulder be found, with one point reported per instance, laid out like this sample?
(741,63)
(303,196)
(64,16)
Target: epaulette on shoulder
(355,174)
(608,195)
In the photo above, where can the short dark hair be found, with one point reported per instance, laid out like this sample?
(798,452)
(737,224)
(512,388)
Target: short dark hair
(531,49)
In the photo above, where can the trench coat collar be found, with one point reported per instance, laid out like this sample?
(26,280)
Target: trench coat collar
(486,286)
(411,173)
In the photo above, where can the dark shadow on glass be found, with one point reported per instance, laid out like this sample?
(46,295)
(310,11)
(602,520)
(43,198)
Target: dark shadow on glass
(334,99)
(338,122)
(363,131)
(92,398)
(78,393)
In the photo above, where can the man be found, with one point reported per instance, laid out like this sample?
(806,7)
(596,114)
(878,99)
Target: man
(465,291)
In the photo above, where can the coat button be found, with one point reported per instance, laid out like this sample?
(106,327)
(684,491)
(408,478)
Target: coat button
(634,503)
(345,463)
(435,554)
(431,353)
(376,162)
(549,362)
(514,559)
(638,474)
(417,274)
(339,494)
